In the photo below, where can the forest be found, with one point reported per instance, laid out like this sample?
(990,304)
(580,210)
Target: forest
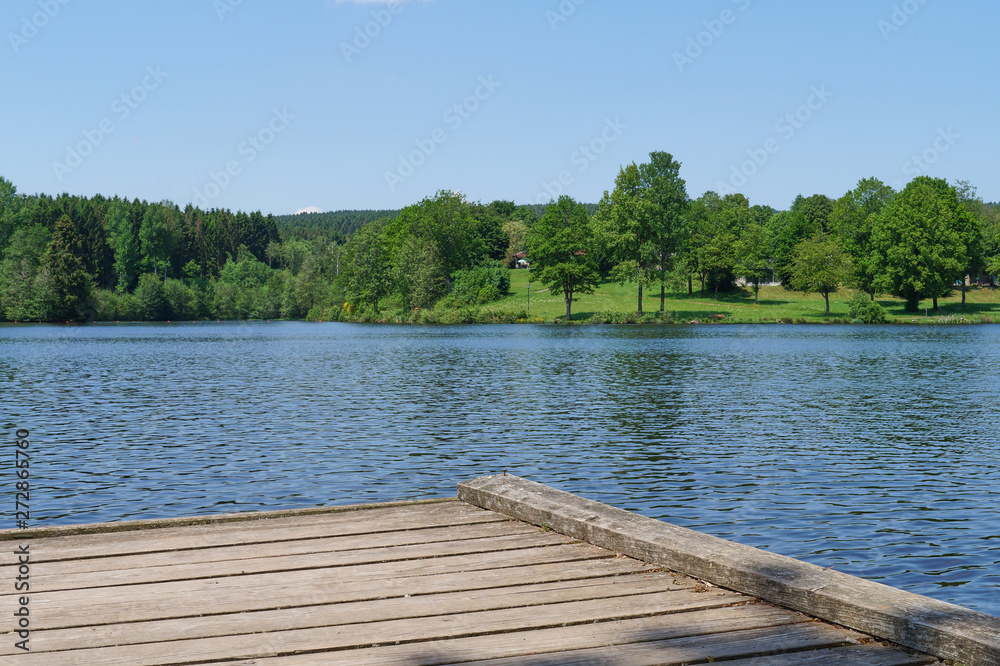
(74,258)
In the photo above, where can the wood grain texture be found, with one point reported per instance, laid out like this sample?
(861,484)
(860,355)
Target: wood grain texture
(438,582)
(930,626)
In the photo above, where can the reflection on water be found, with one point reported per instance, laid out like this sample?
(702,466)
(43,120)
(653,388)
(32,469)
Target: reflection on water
(868,449)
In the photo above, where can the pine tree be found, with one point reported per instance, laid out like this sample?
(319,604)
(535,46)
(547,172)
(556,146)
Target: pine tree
(70,284)
(123,242)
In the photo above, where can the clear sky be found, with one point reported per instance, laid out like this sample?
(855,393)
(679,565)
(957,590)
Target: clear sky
(279,106)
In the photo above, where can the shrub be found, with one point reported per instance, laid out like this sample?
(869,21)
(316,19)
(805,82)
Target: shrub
(489,281)
(151,297)
(862,307)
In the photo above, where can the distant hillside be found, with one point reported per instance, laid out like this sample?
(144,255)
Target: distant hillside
(540,208)
(342,223)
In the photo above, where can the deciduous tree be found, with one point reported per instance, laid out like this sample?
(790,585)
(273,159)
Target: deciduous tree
(920,242)
(561,250)
(819,265)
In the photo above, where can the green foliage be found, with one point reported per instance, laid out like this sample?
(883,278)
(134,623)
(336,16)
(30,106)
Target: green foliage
(562,246)
(920,242)
(753,251)
(336,225)
(790,229)
(124,245)
(666,191)
(419,274)
(487,282)
(70,284)
(151,298)
(862,308)
(814,210)
(24,284)
(182,301)
(851,221)
(246,272)
(623,225)
(366,274)
(819,265)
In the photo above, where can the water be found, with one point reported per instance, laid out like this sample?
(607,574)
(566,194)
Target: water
(872,450)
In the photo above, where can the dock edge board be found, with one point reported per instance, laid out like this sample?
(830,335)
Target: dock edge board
(934,627)
(211,519)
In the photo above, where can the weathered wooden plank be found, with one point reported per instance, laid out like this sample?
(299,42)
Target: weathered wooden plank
(758,644)
(486,623)
(271,591)
(408,537)
(216,520)
(663,627)
(45,581)
(260,531)
(519,596)
(927,625)
(872,654)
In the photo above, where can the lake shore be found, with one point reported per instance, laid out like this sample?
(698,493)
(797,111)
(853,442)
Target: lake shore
(617,304)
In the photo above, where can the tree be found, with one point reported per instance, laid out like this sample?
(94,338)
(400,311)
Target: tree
(851,222)
(154,236)
(920,242)
(22,281)
(418,274)
(791,228)
(152,298)
(819,265)
(366,270)
(561,247)
(700,227)
(10,202)
(971,215)
(70,285)
(668,199)
(815,210)
(517,234)
(624,224)
(447,221)
(753,251)
(123,244)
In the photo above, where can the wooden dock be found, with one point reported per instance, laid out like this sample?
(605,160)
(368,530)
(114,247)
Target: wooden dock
(435,582)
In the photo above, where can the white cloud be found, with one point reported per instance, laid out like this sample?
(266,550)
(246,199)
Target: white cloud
(308,209)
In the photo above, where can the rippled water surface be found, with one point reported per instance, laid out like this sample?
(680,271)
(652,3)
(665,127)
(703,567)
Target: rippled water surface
(870,450)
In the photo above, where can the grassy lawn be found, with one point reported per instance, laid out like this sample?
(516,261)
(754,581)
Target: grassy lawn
(776,303)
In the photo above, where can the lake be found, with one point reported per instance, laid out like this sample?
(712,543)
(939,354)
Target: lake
(872,450)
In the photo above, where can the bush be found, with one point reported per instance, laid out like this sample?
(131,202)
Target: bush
(151,297)
(862,308)
(182,301)
(490,281)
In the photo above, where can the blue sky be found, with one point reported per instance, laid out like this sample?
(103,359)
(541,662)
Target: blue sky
(247,104)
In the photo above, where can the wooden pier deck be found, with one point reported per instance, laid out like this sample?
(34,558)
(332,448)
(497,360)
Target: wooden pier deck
(436,582)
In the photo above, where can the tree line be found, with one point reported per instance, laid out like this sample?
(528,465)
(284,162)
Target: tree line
(73,258)
(79,258)
(916,244)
